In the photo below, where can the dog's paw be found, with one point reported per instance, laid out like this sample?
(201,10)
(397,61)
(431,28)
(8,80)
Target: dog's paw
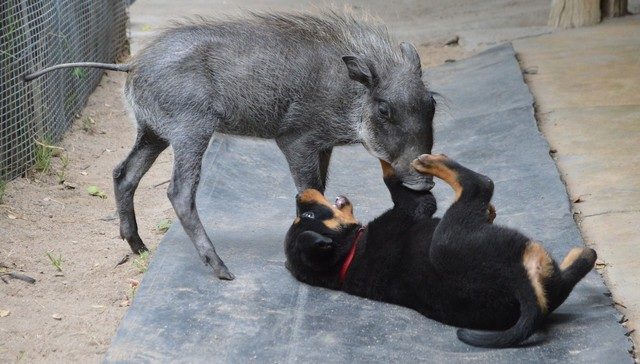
(428,163)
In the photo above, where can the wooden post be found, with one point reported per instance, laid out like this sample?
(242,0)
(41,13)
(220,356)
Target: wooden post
(613,8)
(574,13)
(579,13)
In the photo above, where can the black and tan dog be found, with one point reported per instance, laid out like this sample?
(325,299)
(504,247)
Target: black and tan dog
(461,270)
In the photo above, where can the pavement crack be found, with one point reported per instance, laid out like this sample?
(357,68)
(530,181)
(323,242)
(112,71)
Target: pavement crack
(611,212)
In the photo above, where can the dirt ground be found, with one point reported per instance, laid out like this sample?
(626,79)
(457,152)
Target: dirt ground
(73,313)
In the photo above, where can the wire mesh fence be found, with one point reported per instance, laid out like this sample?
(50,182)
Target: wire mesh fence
(35,34)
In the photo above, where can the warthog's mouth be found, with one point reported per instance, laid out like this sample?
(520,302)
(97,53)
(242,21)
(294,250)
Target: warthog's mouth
(423,184)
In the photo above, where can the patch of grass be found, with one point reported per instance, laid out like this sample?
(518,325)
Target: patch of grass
(64,164)
(44,152)
(142,262)
(70,100)
(3,186)
(88,125)
(79,73)
(56,262)
(163,226)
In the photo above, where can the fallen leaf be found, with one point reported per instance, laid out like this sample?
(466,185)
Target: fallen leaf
(12,216)
(4,313)
(619,304)
(134,282)
(69,185)
(56,317)
(95,191)
(452,41)
(163,226)
(123,260)
(124,303)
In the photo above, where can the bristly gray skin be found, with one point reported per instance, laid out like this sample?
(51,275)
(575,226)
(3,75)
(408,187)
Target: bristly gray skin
(309,82)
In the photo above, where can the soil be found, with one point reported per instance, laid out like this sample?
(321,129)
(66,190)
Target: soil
(73,313)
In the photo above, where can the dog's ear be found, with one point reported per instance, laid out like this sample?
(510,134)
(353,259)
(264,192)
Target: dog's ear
(317,242)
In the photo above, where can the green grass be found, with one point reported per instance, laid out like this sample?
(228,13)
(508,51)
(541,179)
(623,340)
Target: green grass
(44,153)
(142,262)
(64,164)
(3,186)
(79,73)
(56,262)
(88,125)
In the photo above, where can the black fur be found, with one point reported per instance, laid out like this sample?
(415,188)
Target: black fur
(461,270)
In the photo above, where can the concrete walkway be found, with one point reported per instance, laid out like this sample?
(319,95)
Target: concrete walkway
(587,91)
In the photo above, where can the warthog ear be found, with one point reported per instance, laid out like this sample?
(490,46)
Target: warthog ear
(360,70)
(411,55)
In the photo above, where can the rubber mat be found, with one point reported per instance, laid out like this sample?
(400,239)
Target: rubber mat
(485,120)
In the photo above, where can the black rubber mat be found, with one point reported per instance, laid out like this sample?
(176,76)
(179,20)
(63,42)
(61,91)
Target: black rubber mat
(246,199)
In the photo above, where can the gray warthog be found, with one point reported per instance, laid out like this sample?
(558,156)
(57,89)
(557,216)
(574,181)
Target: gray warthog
(309,82)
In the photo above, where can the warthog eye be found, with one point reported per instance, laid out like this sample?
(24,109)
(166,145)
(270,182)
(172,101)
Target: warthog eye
(383,109)
(308,215)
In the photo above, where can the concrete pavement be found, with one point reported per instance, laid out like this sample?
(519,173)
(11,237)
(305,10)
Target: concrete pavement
(587,91)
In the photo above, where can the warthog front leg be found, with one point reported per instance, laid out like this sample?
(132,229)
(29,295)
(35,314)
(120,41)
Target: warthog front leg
(188,153)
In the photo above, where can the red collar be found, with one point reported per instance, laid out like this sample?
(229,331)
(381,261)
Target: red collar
(352,253)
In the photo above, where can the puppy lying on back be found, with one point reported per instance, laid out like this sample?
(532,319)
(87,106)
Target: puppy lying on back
(460,270)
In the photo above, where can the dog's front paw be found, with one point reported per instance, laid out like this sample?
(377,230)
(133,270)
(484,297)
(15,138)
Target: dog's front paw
(428,163)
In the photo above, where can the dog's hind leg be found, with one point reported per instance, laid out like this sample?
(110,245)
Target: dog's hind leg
(188,152)
(126,177)
(573,268)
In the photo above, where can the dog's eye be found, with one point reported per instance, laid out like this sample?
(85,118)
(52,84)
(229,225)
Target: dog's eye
(308,215)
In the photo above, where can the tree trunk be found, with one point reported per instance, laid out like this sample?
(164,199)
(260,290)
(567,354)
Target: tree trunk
(613,8)
(575,13)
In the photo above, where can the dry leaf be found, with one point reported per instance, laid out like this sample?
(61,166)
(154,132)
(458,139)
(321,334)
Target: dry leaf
(4,313)
(56,317)
(69,185)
